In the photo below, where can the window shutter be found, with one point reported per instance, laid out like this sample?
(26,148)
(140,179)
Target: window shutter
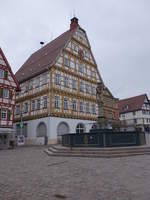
(1,92)
(6,74)
(8,114)
(10,94)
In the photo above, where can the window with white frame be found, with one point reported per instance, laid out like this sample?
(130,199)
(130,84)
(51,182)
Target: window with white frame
(60,60)
(1,73)
(4,114)
(88,70)
(26,87)
(57,79)
(33,105)
(80,67)
(80,128)
(5,93)
(66,61)
(17,110)
(81,86)
(93,90)
(30,84)
(45,102)
(66,81)
(66,104)
(87,106)
(38,102)
(74,84)
(81,106)
(93,74)
(74,47)
(74,105)
(57,101)
(44,78)
(25,107)
(72,64)
(93,108)
(86,54)
(36,82)
(69,45)
(87,88)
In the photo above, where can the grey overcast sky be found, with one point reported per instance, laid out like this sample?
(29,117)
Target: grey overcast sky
(118,30)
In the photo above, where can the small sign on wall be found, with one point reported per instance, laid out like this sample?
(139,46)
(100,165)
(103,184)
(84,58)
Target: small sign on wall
(20,140)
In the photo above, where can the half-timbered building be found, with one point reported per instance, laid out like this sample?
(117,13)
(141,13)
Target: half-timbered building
(135,112)
(58,88)
(8,88)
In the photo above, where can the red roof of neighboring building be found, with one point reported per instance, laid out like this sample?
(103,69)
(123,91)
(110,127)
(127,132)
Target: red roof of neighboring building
(9,68)
(44,58)
(132,103)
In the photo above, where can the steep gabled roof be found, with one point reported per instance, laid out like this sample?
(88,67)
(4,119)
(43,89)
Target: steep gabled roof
(132,104)
(9,69)
(44,58)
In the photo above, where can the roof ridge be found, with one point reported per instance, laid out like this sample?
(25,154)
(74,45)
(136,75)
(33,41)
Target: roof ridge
(133,97)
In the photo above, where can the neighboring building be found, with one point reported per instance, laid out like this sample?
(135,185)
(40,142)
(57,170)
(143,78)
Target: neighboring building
(8,87)
(111,108)
(135,112)
(58,88)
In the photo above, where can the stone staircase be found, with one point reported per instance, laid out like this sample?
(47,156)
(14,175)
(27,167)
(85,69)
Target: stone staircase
(58,150)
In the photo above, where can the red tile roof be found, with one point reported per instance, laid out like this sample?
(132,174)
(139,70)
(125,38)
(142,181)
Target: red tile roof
(131,104)
(44,58)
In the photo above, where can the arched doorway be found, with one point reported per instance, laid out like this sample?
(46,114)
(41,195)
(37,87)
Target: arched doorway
(80,128)
(62,129)
(42,132)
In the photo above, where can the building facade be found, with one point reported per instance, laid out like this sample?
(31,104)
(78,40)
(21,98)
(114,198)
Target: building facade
(111,109)
(8,88)
(135,113)
(58,88)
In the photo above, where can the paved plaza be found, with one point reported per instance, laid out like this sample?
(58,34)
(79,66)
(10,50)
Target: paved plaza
(27,173)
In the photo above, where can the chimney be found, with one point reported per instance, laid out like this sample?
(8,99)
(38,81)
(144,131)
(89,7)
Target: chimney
(74,23)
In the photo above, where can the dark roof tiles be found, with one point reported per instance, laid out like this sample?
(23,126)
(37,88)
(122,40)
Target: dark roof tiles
(131,104)
(44,58)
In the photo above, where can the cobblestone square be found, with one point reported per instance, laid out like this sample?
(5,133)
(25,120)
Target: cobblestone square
(27,173)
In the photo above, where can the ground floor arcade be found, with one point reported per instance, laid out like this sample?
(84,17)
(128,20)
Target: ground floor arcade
(49,130)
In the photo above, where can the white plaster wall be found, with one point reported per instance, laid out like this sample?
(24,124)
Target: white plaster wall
(138,115)
(52,124)
(72,123)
